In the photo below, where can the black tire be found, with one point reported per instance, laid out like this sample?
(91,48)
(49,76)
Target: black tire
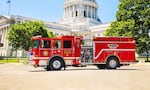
(112,63)
(48,68)
(101,66)
(56,64)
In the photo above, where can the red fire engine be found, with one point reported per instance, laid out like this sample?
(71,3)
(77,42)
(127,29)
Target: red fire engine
(103,52)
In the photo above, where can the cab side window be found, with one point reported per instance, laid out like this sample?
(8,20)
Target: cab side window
(67,44)
(57,44)
(46,44)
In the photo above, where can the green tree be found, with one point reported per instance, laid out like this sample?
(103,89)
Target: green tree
(133,20)
(19,35)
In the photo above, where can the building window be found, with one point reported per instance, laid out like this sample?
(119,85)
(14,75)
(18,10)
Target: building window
(85,14)
(76,13)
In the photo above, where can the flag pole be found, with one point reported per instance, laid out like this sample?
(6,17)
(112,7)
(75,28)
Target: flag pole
(9,7)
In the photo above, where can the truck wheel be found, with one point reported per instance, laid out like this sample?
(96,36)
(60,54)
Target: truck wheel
(56,64)
(48,68)
(112,63)
(101,66)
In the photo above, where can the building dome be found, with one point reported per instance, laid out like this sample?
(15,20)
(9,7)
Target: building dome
(80,12)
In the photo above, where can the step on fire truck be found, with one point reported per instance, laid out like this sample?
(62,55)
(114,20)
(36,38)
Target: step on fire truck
(103,52)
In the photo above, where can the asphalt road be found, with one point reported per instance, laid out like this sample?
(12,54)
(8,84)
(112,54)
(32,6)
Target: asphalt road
(25,77)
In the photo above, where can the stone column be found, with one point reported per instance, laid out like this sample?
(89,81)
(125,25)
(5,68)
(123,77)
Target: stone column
(0,35)
(73,10)
(67,12)
(6,36)
(1,51)
(70,11)
(94,13)
(3,37)
(87,12)
(2,40)
(5,48)
(91,12)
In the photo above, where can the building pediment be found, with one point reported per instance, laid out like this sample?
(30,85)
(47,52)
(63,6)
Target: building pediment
(4,20)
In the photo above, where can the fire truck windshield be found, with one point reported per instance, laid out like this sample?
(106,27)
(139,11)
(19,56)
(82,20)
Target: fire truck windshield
(36,43)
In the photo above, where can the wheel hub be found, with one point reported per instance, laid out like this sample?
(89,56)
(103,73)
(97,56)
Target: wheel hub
(113,63)
(56,64)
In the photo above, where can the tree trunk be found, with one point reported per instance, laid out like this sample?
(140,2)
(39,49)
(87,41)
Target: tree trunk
(147,55)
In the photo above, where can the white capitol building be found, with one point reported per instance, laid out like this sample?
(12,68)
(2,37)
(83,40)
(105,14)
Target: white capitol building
(79,18)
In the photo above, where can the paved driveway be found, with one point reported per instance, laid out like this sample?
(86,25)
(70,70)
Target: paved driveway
(24,77)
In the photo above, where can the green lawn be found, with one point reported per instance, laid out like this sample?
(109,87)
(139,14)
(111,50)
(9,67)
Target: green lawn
(142,59)
(14,60)
(9,61)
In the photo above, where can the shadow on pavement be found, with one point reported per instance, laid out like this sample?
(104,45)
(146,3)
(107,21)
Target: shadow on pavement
(89,69)
(38,71)
(127,69)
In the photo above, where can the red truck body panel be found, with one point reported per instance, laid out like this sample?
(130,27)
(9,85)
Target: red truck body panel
(122,48)
(69,49)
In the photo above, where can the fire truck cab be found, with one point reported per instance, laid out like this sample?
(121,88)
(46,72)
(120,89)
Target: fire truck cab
(103,52)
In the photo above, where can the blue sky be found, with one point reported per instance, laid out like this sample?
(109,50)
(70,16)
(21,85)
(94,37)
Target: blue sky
(52,10)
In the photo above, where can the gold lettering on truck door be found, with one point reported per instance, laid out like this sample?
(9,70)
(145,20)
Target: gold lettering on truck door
(45,53)
(67,52)
(113,46)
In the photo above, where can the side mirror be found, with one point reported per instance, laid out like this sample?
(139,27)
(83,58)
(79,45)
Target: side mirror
(1,44)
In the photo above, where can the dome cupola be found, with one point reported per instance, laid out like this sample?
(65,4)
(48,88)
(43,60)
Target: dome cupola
(77,11)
